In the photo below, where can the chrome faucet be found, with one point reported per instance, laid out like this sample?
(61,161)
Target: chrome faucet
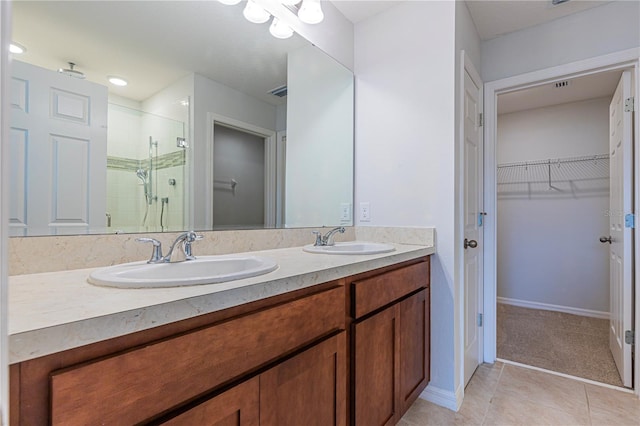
(327,240)
(183,242)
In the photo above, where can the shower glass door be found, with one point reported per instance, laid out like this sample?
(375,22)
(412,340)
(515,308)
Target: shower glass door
(145,172)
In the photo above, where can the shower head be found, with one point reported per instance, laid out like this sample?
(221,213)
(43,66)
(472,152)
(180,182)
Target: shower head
(72,72)
(142,174)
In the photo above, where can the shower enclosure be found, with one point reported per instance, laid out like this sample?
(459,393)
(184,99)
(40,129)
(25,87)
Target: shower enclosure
(145,171)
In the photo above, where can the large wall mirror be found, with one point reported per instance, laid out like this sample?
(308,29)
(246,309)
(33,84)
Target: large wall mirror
(220,125)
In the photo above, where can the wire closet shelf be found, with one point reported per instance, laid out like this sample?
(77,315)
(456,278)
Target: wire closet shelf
(554,174)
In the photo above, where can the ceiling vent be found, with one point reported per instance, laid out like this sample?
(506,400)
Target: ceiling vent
(560,84)
(280,92)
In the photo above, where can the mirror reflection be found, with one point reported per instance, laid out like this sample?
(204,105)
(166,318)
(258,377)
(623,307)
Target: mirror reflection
(219,126)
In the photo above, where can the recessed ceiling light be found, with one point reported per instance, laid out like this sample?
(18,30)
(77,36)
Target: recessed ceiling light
(117,81)
(16,48)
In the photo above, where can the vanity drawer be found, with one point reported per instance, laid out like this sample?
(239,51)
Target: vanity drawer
(373,293)
(133,386)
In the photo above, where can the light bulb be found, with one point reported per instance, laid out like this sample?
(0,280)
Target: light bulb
(230,2)
(279,29)
(310,12)
(255,13)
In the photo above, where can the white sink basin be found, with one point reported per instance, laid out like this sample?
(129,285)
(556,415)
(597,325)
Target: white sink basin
(351,247)
(202,270)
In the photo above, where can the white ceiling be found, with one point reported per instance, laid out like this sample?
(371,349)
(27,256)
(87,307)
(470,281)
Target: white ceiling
(360,10)
(496,18)
(579,89)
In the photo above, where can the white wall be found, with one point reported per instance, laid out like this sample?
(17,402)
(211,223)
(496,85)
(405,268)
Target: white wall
(405,150)
(594,32)
(319,159)
(548,248)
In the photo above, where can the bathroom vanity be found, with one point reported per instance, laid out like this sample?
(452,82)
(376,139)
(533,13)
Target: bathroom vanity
(323,340)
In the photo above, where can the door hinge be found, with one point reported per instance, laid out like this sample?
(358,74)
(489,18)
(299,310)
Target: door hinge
(630,220)
(480,120)
(629,104)
(629,337)
(480,318)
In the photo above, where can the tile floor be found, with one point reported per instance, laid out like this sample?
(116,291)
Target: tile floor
(504,394)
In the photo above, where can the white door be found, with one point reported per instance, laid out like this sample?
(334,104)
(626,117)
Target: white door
(473,219)
(621,271)
(58,152)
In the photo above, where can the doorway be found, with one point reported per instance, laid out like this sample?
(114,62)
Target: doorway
(546,185)
(553,205)
(243,180)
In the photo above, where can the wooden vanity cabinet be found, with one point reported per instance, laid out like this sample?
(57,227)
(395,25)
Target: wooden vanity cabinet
(284,343)
(307,389)
(352,351)
(389,343)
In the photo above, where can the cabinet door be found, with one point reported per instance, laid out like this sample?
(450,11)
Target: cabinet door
(414,347)
(308,389)
(375,369)
(239,406)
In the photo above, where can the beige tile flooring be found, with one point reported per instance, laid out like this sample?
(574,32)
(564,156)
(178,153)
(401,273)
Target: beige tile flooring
(504,394)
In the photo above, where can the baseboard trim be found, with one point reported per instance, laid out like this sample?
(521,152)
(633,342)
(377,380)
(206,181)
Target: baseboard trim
(557,308)
(443,398)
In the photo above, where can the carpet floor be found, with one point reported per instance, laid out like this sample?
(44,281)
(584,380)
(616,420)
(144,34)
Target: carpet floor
(557,341)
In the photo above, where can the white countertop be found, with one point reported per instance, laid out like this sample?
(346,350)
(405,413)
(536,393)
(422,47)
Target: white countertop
(55,311)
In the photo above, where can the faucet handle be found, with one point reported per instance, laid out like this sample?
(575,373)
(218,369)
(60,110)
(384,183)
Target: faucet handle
(156,254)
(191,237)
(318,238)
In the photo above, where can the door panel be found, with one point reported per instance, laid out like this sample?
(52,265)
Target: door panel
(59,138)
(376,364)
(472,136)
(621,272)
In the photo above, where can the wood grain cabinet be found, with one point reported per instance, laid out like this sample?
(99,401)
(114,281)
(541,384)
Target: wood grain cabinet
(351,351)
(308,389)
(288,346)
(389,343)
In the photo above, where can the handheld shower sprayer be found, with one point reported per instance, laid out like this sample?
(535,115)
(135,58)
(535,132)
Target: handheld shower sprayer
(143,175)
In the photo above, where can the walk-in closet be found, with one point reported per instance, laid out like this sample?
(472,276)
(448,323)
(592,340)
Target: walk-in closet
(554,175)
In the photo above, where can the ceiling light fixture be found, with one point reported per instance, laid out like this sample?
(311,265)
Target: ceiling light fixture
(16,48)
(117,81)
(311,12)
(279,29)
(308,11)
(255,13)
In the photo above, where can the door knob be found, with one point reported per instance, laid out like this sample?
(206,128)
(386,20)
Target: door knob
(470,243)
(606,239)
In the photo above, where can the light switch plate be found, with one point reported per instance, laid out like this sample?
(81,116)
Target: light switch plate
(345,212)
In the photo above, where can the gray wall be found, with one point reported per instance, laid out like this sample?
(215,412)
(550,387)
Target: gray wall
(240,156)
